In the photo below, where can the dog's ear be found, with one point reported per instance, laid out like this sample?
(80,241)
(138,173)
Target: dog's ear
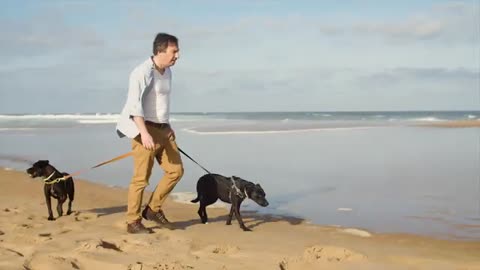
(258,185)
(42,163)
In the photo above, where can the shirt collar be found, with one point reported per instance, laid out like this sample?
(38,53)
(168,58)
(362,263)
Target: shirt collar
(152,64)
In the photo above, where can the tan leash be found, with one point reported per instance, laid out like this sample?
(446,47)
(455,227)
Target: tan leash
(99,164)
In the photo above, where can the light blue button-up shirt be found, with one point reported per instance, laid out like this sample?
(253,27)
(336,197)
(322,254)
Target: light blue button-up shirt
(140,83)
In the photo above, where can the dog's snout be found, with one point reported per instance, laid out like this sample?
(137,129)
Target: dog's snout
(263,203)
(30,172)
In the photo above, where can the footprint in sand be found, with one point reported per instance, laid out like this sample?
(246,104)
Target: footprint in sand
(137,266)
(99,245)
(8,251)
(136,243)
(46,261)
(85,216)
(43,237)
(2,233)
(176,265)
(213,250)
(24,226)
(10,258)
(225,249)
(14,210)
(133,243)
(318,254)
(65,231)
(27,226)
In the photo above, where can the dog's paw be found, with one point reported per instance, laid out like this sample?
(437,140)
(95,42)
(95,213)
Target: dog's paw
(51,218)
(69,213)
(245,229)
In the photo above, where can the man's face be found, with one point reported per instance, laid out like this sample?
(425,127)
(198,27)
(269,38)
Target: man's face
(169,56)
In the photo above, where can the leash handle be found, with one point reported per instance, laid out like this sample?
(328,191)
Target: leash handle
(193,160)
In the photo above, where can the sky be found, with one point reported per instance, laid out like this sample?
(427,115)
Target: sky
(271,55)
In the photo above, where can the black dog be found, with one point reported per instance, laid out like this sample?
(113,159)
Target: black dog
(55,186)
(234,190)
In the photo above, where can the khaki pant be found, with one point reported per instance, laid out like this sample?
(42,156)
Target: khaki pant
(167,155)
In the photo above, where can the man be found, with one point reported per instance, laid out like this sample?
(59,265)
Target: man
(145,120)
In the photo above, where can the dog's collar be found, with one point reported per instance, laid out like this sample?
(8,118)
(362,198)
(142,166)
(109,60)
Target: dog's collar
(54,181)
(237,190)
(48,178)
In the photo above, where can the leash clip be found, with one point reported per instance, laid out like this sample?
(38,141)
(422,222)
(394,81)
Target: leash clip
(237,190)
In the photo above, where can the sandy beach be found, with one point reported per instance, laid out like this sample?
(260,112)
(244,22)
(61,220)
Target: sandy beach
(454,124)
(94,237)
(359,120)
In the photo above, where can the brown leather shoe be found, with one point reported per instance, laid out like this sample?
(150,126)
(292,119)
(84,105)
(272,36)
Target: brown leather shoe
(158,217)
(137,228)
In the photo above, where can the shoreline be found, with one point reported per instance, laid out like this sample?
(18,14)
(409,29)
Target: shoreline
(94,237)
(183,199)
(452,124)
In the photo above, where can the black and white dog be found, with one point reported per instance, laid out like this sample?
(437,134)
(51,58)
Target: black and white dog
(55,186)
(233,190)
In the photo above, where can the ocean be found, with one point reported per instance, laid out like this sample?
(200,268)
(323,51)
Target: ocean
(379,171)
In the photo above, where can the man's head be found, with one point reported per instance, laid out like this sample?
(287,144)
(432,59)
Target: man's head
(165,50)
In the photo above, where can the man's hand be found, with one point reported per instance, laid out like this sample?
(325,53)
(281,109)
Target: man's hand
(171,135)
(147,140)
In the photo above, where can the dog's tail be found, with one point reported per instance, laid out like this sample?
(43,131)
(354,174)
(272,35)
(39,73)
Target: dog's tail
(196,200)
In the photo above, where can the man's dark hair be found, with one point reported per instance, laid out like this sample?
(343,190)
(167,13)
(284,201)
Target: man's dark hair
(161,42)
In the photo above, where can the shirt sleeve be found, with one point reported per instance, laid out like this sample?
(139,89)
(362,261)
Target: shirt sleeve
(134,95)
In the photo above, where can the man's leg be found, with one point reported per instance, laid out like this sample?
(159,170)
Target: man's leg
(143,163)
(171,163)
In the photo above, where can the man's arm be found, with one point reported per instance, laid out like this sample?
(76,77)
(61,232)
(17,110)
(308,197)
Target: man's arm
(136,109)
(135,87)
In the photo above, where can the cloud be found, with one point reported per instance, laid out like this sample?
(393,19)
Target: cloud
(434,75)
(449,22)
(329,89)
(45,35)
(253,90)
(282,61)
(410,29)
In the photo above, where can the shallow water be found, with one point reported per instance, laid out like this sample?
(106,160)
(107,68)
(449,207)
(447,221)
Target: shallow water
(382,177)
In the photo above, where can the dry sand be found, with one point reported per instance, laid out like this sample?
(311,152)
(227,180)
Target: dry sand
(454,124)
(94,237)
